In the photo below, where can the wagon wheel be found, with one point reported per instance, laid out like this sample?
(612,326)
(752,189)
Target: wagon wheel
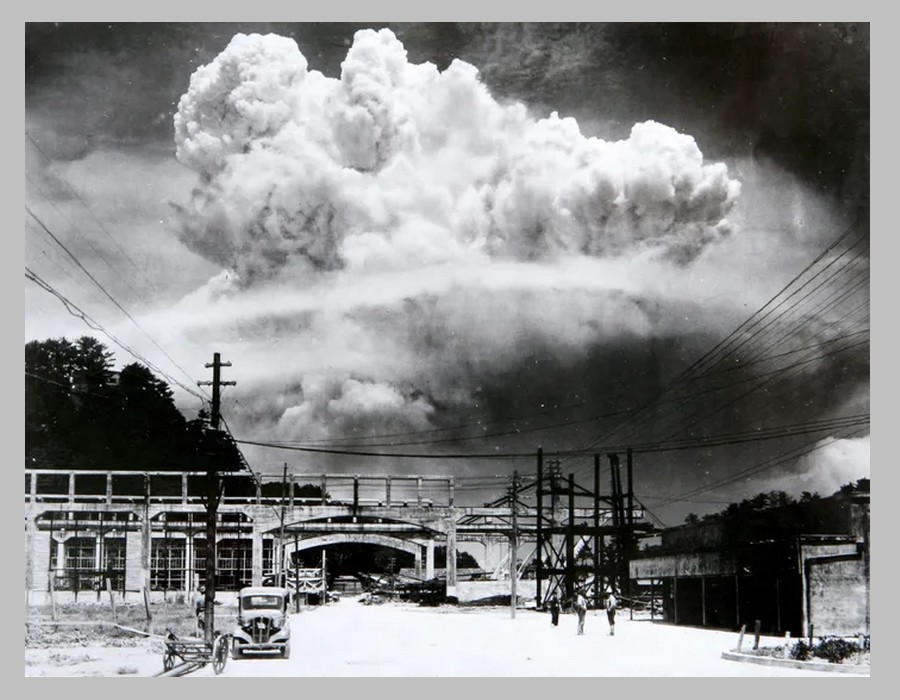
(220,654)
(168,660)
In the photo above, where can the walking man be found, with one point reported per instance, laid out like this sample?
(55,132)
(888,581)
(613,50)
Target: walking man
(580,607)
(554,610)
(611,605)
(200,607)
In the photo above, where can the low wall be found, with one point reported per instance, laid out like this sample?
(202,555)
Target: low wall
(851,668)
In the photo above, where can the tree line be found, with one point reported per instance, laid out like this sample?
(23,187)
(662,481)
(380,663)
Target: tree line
(80,414)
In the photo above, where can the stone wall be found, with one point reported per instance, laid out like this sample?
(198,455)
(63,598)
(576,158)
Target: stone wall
(836,590)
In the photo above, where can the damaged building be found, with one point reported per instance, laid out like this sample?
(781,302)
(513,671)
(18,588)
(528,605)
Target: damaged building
(802,568)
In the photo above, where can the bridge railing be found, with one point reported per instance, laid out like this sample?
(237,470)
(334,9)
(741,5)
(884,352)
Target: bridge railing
(172,487)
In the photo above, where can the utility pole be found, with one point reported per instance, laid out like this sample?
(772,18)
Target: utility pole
(539,571)
(513,546)
(282,576)
(212,498)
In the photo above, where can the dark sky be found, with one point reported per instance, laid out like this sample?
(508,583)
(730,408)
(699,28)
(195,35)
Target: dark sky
(784,106)
(797,93)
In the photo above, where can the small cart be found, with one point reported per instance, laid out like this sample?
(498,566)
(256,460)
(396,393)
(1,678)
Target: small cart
(194,653)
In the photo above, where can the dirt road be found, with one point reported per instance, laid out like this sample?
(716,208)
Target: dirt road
(350,639)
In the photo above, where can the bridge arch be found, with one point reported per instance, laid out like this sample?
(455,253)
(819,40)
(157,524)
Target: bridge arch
(413,547)
(422,549)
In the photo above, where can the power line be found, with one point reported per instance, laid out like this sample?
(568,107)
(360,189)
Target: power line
(90,211)
(750,322)
(398,455)
(103,289)
(715,441)
(94,248)
(74,310)
(784,457)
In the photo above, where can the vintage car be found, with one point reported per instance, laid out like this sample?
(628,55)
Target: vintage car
(263,622)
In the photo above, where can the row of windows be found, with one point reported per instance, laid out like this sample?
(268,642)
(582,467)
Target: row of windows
(168,563)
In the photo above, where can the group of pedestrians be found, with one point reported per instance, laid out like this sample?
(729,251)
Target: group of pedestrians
(579,605)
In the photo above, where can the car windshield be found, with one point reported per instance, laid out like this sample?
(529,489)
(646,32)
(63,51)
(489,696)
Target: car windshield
(253,602)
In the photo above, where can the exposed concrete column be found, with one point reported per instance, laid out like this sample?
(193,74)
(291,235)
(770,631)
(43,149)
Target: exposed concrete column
(429,560)
(60,556)
(133,557)
(189,574)
(30,531)
(419,553)
(40,564)
(256,559)
(451,555)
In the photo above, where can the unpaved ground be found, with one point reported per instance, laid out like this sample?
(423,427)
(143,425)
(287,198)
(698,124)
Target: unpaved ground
(349,639)
(80,645)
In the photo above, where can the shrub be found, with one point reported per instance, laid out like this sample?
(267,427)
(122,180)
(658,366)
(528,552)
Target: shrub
(834,649)
(800,651)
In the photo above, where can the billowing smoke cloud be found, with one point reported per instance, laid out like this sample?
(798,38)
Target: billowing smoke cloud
(401,164)
(831,465)
(404,238)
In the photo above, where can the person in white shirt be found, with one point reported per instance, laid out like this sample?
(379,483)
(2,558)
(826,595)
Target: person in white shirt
(579,605)
(611,605)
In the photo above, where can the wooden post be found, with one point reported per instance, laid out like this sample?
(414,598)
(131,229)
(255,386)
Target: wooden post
(112,600)
(703,600)
(629,533)
(741,638)
(452,486)
(675,600)
(419,491)
(812,630)
(296,575)
(387,492)
(539,570)
(513,547)
(757,626)
(147,606)
(51,589)
(597,582)
(787,644)
(355,495)
(322,487)
(570,541)
(146,541)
